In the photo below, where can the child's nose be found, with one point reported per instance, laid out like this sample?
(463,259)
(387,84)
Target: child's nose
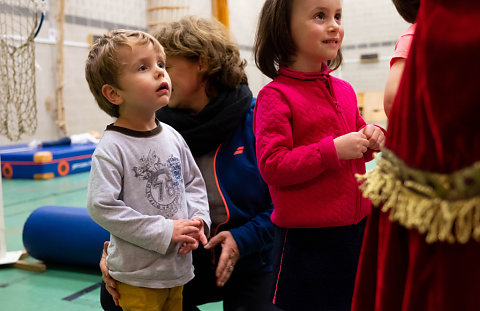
(159,71)
(333,25)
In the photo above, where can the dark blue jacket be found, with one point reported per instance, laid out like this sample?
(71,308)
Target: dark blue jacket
(246,198)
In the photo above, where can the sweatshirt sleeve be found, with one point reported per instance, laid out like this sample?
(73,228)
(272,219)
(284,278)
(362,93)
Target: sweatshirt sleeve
(256,235)
(280,163)
(106,207)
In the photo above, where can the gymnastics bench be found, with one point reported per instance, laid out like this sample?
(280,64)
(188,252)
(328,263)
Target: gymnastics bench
(21,161)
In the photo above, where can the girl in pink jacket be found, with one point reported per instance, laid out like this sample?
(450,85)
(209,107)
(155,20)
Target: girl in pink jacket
(311,141)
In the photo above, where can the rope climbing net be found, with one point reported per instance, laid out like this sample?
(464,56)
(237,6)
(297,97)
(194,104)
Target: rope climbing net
(20,21)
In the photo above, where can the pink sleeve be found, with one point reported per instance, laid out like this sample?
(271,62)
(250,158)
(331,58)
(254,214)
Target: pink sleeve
(279,162)
(403,45)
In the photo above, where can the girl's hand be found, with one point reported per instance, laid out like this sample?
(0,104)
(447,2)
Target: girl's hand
(375,136)
(351,146)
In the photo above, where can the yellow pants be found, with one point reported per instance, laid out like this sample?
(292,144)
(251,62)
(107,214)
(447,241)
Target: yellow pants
(133,298)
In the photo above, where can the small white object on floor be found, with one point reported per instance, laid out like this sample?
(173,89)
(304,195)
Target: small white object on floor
(10,257)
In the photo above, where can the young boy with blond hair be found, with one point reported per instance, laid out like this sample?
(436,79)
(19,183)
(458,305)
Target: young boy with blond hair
(144,186)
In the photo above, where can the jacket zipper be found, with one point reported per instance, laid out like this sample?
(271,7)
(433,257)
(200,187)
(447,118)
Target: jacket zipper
(351,163)
(223,199)
(335,103)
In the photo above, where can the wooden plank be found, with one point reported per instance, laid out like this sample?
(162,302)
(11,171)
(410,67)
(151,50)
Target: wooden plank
(24,255)
(30,266)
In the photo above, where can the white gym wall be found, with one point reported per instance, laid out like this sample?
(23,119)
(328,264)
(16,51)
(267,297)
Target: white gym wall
(371,27)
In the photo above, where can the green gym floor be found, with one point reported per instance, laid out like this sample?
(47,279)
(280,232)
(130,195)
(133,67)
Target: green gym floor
(58,288)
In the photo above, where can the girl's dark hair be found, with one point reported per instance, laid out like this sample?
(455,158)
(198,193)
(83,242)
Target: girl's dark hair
(407,9)
(274,46)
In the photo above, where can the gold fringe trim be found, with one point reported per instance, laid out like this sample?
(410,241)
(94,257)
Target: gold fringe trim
(445,207)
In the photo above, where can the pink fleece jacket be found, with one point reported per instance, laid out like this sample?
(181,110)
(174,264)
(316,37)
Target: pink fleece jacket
(296,120)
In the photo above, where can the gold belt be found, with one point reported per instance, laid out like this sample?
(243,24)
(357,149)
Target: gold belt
(446,207)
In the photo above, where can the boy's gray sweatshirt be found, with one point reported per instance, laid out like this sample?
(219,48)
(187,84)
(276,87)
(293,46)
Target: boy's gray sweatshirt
(139,183)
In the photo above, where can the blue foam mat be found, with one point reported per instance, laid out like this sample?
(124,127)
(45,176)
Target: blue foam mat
(19,161)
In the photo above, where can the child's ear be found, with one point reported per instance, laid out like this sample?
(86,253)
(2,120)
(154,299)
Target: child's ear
(111,94)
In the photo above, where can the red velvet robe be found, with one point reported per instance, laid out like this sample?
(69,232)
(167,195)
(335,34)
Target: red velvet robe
(434,126)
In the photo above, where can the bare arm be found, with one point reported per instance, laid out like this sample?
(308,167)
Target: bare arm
(393,82)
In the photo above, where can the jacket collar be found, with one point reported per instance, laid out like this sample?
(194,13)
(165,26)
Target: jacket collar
(323,73)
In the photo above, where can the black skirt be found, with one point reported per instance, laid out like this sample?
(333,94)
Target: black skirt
(315,269)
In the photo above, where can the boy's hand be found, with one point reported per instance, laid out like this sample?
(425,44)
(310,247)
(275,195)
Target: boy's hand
(110,283)
(199,237)
(375,136)
(201,231)
(185,248)
(351,146)
(183,228)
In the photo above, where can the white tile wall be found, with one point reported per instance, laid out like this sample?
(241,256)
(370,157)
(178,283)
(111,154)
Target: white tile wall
(127,12)
(203,8)
(365,21)
(243,20)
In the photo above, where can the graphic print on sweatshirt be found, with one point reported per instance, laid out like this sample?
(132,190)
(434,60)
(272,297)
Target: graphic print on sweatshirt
(163,182)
